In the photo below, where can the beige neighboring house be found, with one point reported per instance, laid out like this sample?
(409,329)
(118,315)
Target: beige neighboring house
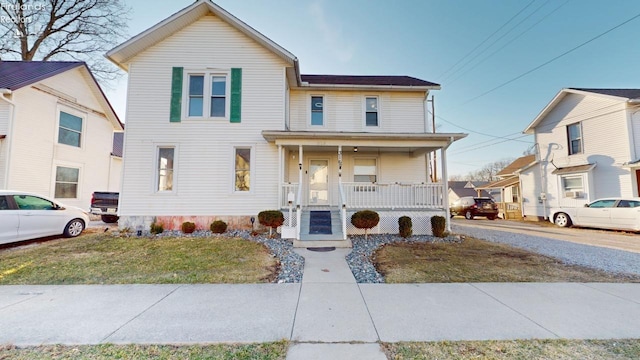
(458,189)
(588,143)
(57,132)
(508,184)
(221,124)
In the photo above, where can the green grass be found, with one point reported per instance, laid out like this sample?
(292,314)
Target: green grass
(476,260)
(264,351)
(515,350)
(108,259)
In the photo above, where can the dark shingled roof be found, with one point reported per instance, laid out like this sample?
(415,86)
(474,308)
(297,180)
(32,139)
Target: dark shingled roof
(17,74)
(118,143)
(365,80)
(625,93)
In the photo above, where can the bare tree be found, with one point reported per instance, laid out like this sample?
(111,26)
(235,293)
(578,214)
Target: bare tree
(63,30)
(486,173)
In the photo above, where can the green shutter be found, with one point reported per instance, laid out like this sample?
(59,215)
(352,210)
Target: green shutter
(236,95)
(176,95)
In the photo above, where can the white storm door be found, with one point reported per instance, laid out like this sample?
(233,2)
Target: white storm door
(318,182)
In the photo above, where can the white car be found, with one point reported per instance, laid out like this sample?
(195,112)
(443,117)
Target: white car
(609,213)
(25,216)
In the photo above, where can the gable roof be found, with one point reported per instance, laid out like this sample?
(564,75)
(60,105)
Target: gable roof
(17,74)
(368,80)
(620,94)
(122,53)
(517,164)
(462,192)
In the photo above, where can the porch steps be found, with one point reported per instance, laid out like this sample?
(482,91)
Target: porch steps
(335,227)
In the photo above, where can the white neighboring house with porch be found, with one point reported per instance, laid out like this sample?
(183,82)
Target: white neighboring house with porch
(222,125)
(57,132)
(588,144)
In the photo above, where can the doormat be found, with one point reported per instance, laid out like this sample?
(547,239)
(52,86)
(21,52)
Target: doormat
(320,222)
(322,249)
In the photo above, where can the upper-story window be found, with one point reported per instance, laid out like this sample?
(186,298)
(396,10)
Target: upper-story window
(371,111)
(574,136)
(70,129)
(317,110)
(207,95)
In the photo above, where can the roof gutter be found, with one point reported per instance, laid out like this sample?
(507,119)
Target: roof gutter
(6,92)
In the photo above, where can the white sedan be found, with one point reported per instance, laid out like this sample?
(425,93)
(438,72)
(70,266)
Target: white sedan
(25,216)
(609,213)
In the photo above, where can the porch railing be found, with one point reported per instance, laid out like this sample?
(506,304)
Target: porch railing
(286,189)
(391,196)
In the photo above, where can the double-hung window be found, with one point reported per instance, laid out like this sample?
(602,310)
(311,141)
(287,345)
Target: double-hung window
(371,111)
(70,129)
(165,168)
(207,95)
(365,170)
(317,110)
(67,180)
(574,136)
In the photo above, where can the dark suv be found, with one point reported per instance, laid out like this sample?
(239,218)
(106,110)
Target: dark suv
(470,207)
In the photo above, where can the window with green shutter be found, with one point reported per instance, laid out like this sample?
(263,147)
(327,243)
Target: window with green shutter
(236,95)
(206,95)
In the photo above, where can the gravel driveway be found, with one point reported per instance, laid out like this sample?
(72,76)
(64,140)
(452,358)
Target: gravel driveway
(546,241)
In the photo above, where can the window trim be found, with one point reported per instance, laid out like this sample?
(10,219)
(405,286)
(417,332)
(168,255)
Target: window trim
(364,112)
(252,167)
(569,140)
(156,169)
(71,165)
(74,112)
(324,114)
(208,74)
(564,189)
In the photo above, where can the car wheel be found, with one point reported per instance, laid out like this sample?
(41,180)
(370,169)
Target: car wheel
(562,220)
(74,228)
(468,215)
(109,219)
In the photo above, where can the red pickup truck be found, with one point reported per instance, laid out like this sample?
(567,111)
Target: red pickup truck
(105,204)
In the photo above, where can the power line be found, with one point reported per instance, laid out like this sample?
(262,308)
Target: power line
(469,130)
(496,143)
(552,60)
(487,39)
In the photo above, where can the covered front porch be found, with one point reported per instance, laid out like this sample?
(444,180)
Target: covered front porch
(341,173)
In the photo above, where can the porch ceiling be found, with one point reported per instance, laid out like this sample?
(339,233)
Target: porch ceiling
(400,142)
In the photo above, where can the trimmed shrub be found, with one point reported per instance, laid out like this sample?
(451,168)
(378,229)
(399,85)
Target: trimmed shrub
(188,227)
(156,228)
(406,226)
(218,227)
(438,226)
(271,219)
(365,219)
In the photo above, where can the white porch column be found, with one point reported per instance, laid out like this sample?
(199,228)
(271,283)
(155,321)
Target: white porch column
(280,175)
(445,183)
(300,166)
(340,165)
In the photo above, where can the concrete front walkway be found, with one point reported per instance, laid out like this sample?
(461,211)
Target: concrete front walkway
(322,316)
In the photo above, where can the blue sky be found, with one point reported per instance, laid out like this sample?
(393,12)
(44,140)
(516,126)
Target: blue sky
(468,46)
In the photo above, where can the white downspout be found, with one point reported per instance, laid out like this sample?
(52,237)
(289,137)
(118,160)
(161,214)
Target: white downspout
(9,138)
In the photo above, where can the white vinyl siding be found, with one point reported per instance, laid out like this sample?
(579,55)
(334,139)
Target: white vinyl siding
(205,165)
(398,112)
(35,138)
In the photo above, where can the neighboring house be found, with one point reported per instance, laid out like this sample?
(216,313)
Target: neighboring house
(508,184)
(588,144)
(458,189)
(222,125)
(56,132)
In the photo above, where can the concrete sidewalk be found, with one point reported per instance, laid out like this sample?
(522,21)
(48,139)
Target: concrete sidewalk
(322,315)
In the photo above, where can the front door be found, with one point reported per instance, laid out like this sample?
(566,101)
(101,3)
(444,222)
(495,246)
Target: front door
(318,182)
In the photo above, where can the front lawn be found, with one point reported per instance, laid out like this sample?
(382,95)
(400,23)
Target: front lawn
(516,349)
(264,351)
(109,259)
(475,260)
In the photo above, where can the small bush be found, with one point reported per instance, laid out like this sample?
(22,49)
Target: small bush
(156,228)
(218,227)
(188,227)
(271,219)
(438,226)
(365,219)
(406,226)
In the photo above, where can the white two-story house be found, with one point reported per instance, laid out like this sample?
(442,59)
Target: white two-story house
(222,125)
(57,132)
(588,144)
